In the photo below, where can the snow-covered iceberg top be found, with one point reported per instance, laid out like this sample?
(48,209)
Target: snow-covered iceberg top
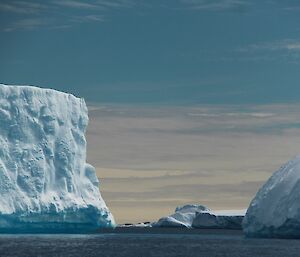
(275,210)
(45,183)
(199,216)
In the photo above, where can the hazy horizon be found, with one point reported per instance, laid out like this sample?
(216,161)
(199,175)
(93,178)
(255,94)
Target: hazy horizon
(152,159)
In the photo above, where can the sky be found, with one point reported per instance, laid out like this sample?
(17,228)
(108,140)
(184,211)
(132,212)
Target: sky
(190,101)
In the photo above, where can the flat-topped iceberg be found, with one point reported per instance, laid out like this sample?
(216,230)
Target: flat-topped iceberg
(275,210)
(45,183)
(199,216)
(183,216)
(218,221)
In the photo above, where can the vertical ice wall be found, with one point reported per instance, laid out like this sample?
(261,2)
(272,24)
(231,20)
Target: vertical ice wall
(45,182)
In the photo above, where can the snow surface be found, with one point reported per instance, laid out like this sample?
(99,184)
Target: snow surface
(275,210)
(199,216)
(45,183)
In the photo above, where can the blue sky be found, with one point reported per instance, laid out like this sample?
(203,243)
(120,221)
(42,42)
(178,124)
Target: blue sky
(161,52)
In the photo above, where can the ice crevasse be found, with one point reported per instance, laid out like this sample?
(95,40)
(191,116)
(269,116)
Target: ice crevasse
(45,183)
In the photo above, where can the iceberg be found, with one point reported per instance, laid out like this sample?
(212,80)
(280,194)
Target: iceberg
(183,216)
(45,183)
(213,220)
(199,216)
(275,210)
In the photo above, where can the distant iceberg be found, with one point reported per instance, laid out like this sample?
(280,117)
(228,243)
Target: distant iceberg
(275,210)
(199,216)
(183,216)
(213,220)
(45,183)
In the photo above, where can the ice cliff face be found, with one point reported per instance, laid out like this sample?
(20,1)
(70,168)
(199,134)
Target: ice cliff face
(275,210)
(45,183)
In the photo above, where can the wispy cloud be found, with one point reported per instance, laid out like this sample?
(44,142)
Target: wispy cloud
(97,4)
(172,135)
(285,44)
(287,50)
(59,14)
(216,5)
(78,4)
(27,24)
(21,7)
(291,5)
(117,3)
(89,18)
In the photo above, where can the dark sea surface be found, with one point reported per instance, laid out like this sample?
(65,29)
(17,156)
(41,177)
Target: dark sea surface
(147,242)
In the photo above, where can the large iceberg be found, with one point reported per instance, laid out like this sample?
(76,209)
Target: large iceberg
(45,183)
(199,216)
(275,210)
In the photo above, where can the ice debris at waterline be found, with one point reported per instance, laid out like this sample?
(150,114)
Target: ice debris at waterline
(146,224)
(199,216)
(45,183)
(275,210)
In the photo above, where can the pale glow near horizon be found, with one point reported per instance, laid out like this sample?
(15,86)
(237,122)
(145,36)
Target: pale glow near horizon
(151,159)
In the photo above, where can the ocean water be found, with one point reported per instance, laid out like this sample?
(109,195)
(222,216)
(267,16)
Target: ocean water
(146,244)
